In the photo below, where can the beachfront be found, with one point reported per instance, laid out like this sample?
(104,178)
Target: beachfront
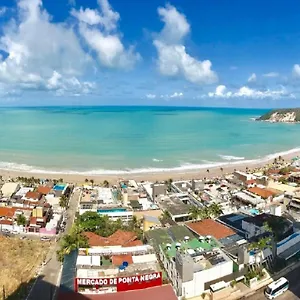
(211,172)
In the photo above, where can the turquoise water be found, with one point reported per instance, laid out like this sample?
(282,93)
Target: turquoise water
(102,211)
(115,140)
(59,187)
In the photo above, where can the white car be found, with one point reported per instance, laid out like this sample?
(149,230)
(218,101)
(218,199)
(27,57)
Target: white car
(45,239)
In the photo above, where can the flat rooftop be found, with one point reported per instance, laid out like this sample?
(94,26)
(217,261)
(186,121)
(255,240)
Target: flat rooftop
(97,266)
(168,235)
(234,220)
(189,246)
(173,205)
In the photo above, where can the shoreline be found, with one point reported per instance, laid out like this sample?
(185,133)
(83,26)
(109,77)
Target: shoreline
(175,174)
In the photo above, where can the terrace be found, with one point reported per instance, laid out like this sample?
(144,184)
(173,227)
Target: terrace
(178,210)
(193,247)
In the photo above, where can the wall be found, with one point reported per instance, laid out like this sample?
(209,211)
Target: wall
(288,242)
(251,229)
(196,286)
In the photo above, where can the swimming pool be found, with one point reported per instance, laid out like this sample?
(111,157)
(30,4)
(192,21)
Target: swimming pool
(59,187)
(103,211)
(254,211)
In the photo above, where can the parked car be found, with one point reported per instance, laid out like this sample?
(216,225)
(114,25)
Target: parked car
(23,237)
(45,239)
(5,231)
(15,232)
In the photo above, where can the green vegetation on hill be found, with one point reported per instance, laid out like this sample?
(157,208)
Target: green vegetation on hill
(268,115)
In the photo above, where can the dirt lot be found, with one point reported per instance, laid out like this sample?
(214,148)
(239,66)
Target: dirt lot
(19,261)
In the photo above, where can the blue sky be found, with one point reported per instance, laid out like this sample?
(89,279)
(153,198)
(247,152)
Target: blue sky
(182,52)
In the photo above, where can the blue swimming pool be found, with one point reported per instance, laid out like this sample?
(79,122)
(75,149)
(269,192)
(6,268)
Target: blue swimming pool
(103,211)
(254,211)
(59,187)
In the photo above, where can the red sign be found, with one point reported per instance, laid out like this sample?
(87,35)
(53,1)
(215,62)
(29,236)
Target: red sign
(127,283)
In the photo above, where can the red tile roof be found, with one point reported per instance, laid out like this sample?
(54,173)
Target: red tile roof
(264,193)
(210,227)
(6,222)
(7,211)
(33,195)
(119,238)
(164,292)
(251,181)
(44,190)
(118,260)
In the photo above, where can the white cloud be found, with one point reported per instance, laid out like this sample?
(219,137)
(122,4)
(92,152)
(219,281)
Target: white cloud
(89,16)
(98,27)
(246,92)
(296,70)
(271,74)
(36,48)
(151,96)
(176,95)
(252,78)
(173,60)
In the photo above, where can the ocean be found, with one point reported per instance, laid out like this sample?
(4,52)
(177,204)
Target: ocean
(118,140)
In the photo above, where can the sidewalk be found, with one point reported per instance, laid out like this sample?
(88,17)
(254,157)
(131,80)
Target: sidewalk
(242,291)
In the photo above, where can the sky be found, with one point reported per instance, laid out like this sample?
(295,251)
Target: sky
(238,53)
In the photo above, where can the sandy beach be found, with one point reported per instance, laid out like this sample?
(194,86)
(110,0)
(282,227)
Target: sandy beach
(226,168)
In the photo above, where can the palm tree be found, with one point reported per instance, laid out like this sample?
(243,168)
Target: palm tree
(21,220)
(86,180)
(71,242)
(204,213)
(63,201)
(207,170)
(215,209)
(169,184)
(92,182)
(106,183)
(221,169)
(194,213)
(260,245)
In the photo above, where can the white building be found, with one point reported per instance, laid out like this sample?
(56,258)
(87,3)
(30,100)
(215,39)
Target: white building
(9,188)
(192,270)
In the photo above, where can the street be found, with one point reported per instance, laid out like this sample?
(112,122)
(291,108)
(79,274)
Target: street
(292,294)
(48,280)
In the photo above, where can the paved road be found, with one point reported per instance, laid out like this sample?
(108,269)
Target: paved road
(292,294)
(46,284)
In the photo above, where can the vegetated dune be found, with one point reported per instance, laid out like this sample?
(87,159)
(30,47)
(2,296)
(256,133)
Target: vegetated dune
(19,262)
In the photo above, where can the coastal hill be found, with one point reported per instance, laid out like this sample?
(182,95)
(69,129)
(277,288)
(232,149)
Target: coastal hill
(290,115)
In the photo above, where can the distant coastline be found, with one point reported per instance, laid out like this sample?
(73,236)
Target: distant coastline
(291,115)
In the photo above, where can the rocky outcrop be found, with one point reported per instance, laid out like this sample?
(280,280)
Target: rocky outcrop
(281,115)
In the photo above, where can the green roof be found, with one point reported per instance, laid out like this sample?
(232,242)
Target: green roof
(190,244)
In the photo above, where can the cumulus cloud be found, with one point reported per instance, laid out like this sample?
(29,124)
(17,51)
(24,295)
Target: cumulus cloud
(296,71)
(173,59)
(271,74)
(31,58)
(246,92)
(151,96)
(252,78)
(98,27)
(176,95)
